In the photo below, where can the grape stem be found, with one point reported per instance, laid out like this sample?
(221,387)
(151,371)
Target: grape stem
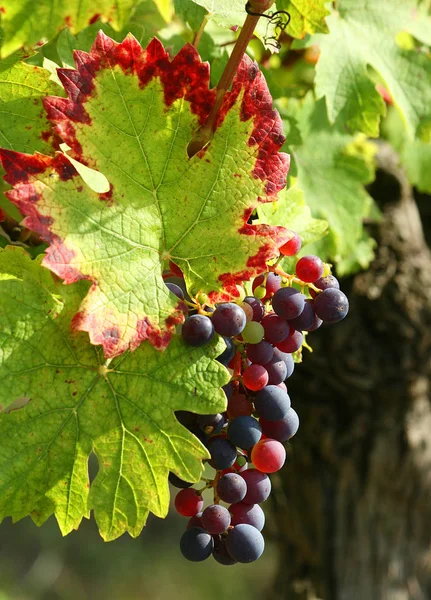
(205,132)
(292,279)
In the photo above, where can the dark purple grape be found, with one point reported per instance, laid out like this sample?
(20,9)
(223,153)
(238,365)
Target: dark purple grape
(331,305)
(277,372)
(286,358)
(175,289)
(276,328)
(229,319)
(196,544)
(326,282)
(195,521)
(257,306)
(215,519)
(177,482)
(211,424)
(223,452)
(305,319)
(288,303)
(244,432)
(220,552)
(258,486)
(261,353)
(281,430)
(250,514)
(245,543)
(272,403)
(197,330)
(231,488)
(229,352)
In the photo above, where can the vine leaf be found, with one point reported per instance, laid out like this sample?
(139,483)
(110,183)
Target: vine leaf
(364,35)
(24,22)
(123,411)
(305,16)
(130,115)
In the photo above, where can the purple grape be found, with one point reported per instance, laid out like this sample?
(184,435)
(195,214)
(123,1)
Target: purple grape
(223,452)
(272,403)
(258,486)
(281,430)
(276,328)
(261,353)
(220,552)
(231,488)
(175,289)
(229,319)
(305,319)
(228,354)
(277,372)
(211,424)
(331,305)
(286,358)
(244,432)
(197,330)
(245,543)
(215,519)
(257,306)
(327,282)
(250,514)
(288,303)
(196,544)
(195,521)
(273,283)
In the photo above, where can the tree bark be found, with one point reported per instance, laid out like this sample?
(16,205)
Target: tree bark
(352,508)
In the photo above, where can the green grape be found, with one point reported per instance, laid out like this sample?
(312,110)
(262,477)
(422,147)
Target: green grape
(253,332)
(260,292)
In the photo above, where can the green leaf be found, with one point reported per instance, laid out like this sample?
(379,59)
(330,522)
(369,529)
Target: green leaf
(305,16)
(74,405)
(190,12)
(132,121)
(364,35)
(332,169)
(25,22)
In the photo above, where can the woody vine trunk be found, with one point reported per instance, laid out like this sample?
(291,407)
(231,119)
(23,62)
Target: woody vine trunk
(352,510)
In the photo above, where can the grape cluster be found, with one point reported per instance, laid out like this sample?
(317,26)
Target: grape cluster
(264,334)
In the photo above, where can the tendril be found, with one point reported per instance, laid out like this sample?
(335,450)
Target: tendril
(274,18)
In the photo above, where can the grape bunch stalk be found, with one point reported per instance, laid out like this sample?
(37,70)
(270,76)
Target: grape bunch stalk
(264,334)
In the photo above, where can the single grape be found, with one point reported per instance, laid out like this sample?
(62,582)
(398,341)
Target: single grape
(245,543)
(239,405)
(227,355)
(272,403)
(244,432)
(282,386)
(196,544)
(197,330)
(276,328)
(309,268)
(268,455)
(215,519)
(305,319)
(258,486)
(292,343)
(220,552)
(324,283)
(293,246)
(250,514)
(255,377)
(177,482)
(331,305)
(223,452)
(257,306)
(211,424)
(248,311)
(228,319)
(273,283)
(253,333)
(277,372)
(260,353)
(281,430)
(317,323)
(195,521)
(260,292)
(287,358)
(188,502)
(231,488)
(288,303)
(176,290)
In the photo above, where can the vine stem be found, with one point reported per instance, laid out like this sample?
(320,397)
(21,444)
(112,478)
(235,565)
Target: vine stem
(205,132)
(200,31)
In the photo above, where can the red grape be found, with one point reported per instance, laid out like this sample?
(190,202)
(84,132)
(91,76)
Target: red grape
(268,456)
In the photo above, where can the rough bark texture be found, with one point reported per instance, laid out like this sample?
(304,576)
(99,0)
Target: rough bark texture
(352,511)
